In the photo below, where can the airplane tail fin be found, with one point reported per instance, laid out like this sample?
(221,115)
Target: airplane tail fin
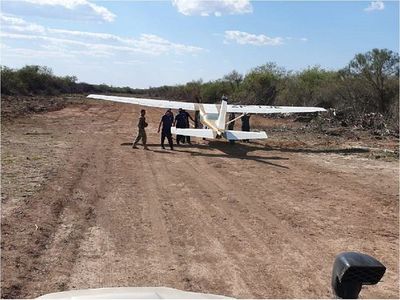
(203,133)
(233,135)
(221,121)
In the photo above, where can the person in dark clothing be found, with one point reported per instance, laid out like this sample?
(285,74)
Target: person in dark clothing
(171,115)
(141,132)
(182,121)
(245,124)
(166,122)
(187,117)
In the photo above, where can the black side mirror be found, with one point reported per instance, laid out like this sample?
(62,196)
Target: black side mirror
(351,270)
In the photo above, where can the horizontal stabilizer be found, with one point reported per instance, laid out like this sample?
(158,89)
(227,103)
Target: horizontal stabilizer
(203,133)
(244,135)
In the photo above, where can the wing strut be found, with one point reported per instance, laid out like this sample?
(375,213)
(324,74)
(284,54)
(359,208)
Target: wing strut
(233,120)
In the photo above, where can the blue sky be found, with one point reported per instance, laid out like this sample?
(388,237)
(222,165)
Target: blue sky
(152,43)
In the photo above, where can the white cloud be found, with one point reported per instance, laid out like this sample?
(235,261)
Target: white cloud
(35,53)
(129,62)
(12,20)
(89,43)
(244,38)
(88,35)
(18,24)
(216,8)
(95,9)
(154,44)
(375,5)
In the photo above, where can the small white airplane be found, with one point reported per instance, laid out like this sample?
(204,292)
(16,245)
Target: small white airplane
(213,116)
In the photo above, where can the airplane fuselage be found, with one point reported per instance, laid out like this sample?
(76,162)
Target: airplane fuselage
(215,120)
(209,120)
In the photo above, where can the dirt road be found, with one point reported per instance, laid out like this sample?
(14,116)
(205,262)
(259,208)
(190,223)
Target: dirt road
(82,209)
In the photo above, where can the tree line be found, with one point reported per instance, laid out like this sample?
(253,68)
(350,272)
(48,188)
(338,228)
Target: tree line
(40,80)
(368,83)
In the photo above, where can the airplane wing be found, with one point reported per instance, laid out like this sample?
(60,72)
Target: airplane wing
(147,102)
(263,109)
(209,108)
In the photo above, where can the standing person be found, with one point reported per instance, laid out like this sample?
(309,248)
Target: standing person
(171,115)
(180,122)
(187,124)
(166,122)
(141,132)
(245,124)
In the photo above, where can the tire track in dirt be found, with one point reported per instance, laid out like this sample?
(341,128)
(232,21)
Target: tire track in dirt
(341,187)
(266,236)
(108,255)
(25,264)
(129,229)
(199,272)
(221,232)
(52,226)
(78,218)
(158,198)
(305,230)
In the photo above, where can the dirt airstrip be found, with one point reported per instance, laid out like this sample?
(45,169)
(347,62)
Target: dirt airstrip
(82,209)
